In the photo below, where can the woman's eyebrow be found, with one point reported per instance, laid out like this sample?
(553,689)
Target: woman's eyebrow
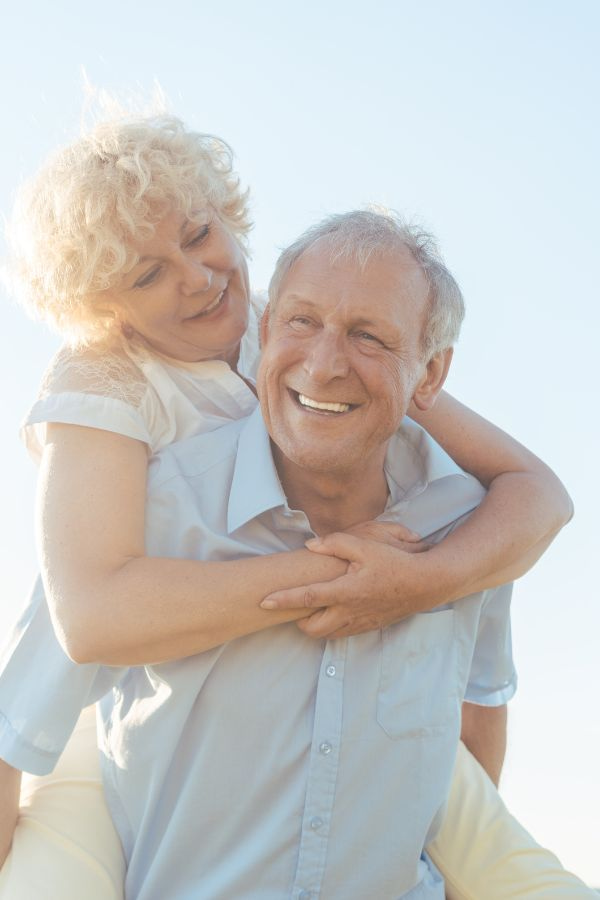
(185,225)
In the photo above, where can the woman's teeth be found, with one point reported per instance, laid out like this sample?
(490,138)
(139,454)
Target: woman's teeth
(328,407)
(212,305)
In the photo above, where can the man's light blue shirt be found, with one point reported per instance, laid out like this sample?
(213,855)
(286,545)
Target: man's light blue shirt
(276,766)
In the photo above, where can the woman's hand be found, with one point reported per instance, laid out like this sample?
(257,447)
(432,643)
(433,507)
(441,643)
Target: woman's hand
(382,584)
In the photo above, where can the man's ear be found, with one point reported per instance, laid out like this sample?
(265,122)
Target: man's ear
(433,379)
(264,325)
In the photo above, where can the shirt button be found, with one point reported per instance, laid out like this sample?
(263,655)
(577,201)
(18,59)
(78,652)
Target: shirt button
(304,895)
(316,822)
(330,670)
(325,748)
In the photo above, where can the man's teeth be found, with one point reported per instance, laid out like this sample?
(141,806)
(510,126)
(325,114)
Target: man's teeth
(329,407)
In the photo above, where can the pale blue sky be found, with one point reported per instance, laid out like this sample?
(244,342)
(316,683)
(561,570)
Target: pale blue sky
(481,120)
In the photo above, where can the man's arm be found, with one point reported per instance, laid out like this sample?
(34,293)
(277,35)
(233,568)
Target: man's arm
(483,732)
(10,788)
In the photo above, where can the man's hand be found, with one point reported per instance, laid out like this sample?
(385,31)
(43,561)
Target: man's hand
(381,584)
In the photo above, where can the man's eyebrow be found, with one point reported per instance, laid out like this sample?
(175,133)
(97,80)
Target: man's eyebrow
(300,298)
(372,323)
(363,322)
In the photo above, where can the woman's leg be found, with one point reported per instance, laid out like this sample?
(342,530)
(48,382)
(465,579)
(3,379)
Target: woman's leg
(65,846)
(485,854)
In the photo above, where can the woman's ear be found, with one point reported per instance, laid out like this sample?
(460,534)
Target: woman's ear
(433,379)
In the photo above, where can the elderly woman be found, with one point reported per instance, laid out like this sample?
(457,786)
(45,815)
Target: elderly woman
(132,243)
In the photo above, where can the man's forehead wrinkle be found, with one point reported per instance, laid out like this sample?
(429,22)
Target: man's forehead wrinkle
(317,283)
(346,319)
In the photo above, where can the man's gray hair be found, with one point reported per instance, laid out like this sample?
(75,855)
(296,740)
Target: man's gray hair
(359,234)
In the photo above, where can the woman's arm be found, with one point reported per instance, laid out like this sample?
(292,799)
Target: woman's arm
(525,507)
(10,787)
(111,603)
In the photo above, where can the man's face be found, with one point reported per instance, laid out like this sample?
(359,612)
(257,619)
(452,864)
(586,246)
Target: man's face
(342,358)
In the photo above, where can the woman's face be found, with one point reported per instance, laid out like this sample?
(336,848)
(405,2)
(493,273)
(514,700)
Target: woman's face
(188,294)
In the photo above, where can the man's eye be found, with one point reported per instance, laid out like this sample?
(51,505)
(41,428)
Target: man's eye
(367,336)
(148,278)
(198,236)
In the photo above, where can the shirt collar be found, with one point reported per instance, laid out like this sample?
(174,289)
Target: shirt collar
(413,462)
(255,486)
(428,491)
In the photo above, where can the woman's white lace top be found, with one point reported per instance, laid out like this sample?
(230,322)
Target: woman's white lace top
(133,391)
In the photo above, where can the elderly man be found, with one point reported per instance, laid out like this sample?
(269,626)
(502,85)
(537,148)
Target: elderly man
(275,765)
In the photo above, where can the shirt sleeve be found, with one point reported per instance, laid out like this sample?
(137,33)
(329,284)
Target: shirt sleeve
(104,390)
(493,678)
(42,691)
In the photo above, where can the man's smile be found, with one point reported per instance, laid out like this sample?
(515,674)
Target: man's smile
(322,406)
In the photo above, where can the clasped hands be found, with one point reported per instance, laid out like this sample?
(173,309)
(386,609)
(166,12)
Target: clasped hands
(385,581)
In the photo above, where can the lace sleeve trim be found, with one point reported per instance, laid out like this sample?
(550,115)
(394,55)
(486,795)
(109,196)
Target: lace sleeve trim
(104,372)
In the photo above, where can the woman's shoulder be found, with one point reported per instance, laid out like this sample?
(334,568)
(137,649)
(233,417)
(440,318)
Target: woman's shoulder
(104,370)
(100,387)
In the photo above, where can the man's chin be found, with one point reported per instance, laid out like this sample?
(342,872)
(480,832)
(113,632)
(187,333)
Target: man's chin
(328,460)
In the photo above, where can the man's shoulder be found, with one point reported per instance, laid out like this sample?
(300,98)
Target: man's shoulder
(415,446)
(432,491)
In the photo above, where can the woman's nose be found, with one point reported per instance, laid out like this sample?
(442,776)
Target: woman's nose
(195,276)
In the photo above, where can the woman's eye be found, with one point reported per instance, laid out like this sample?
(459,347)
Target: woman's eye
(301,321)
(198,236)
(148,278)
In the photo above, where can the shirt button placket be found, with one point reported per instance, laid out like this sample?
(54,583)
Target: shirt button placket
(322,773)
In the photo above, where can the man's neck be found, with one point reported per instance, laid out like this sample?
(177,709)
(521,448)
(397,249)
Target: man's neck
(334,501)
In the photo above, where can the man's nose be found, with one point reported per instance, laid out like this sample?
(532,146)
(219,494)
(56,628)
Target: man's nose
(327,357)
(195,276)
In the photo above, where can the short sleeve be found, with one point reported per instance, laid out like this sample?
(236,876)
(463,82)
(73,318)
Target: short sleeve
(42,691)
(493,678)
(98,388)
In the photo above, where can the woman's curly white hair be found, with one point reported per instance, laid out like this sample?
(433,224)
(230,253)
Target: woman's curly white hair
(74,224)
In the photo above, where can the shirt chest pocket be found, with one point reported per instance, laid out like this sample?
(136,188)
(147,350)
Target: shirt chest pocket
(418,690)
